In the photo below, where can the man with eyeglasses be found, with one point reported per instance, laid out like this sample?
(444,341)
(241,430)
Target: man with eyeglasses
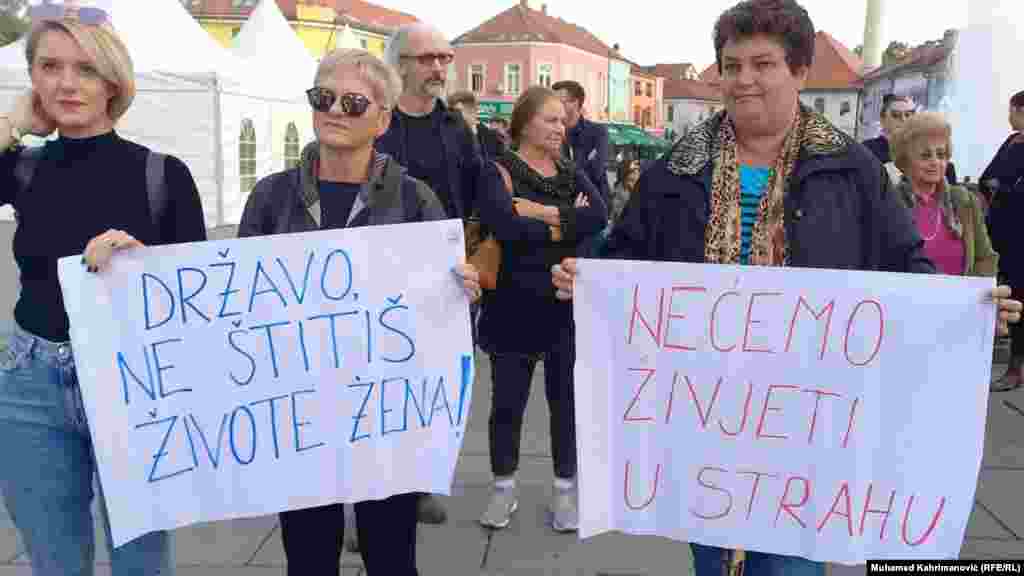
(430,140)
(896,109)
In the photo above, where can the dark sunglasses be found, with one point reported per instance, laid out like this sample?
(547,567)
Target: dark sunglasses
(85,15)
(428,59)
(352,104)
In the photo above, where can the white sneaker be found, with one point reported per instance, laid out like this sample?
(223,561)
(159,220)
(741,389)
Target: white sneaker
(564,511)
(504,502)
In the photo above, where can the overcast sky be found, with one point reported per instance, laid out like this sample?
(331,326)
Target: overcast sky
(652,31)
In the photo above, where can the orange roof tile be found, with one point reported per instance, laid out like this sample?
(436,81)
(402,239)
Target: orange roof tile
(691,89)
(835,67)
(355,12)
(523,24)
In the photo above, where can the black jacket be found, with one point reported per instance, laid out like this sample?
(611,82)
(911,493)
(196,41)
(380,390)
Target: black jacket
(490,144)
(289,201)
(461,158)
(841,211)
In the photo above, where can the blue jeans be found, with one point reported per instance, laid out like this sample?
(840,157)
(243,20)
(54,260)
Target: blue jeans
(711,561)
(47,475)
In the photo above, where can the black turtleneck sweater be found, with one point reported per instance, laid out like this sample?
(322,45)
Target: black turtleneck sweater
(81,188)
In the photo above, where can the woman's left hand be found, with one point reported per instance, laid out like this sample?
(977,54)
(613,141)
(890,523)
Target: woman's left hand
(1009,310)
(100,249)
(470,280)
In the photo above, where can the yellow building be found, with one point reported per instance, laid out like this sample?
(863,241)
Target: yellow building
(322,25)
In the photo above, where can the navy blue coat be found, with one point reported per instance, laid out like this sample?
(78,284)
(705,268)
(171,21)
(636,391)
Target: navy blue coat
(840,209)
(588,142)
(460,154)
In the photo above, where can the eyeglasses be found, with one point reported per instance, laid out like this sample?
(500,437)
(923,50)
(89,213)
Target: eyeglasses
(428,59)
(352,104)
(86,15)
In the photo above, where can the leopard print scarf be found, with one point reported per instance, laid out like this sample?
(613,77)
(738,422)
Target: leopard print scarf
(768,244)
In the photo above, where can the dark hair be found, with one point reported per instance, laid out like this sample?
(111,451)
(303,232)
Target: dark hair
(527,106)
(463,98)
(784,20)
(888,99)
(575,89)
(1017,100)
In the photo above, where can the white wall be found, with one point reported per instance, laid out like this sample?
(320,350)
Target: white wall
(834,100)
(687,113)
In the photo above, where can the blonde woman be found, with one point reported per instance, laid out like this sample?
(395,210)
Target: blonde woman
(948,218)
(83,192)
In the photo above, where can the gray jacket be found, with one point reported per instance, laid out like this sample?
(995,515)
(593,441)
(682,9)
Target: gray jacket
(289,201)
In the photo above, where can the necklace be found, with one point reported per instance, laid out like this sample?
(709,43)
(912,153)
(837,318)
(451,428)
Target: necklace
(935,230)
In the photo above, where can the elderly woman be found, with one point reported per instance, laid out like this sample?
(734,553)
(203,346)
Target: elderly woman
(343,182)
(521,321)
(949,219)
(768,182)
(1004,178)
(87,190)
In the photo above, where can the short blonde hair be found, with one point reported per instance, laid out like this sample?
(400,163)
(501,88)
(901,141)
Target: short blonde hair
(916,128)
(106,51)
(383,79)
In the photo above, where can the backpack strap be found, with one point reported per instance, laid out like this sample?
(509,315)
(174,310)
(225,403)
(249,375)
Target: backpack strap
(156,187)
(25,169)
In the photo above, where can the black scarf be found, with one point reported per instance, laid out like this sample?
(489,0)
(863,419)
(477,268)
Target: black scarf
(560,187)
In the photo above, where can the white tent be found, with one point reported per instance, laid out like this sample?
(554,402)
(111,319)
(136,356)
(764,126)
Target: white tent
(268,40)
(986,73)
(195,99)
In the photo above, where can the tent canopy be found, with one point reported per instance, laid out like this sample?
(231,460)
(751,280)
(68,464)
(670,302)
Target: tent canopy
(267,39)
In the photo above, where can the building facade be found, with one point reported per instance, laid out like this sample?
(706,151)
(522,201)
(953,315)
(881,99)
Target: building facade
(645,99)
(924,75)
(525,45)
(687,103)
(322,25)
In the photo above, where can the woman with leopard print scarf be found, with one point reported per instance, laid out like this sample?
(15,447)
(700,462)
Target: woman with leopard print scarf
(768,182)
(521,321)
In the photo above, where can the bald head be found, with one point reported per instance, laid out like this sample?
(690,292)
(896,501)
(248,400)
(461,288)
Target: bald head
(421,54)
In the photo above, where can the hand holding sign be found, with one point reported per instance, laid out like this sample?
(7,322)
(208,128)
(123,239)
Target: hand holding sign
(100,249)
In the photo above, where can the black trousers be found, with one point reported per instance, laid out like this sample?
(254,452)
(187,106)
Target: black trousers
(511,375)
(313,537)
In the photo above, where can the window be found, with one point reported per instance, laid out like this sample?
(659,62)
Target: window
(671,113)
(646,119)
(244,3)
(512,76)
(638,89)
(362,43)
(477,78)
(844,108)
(819,105)
(544,73)
(650,90)
(636,115)
(247,156)
(292,154)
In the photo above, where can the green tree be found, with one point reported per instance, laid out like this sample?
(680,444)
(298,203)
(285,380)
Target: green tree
(895,52)
(13,20)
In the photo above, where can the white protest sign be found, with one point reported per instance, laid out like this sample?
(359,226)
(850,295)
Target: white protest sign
(838,416)
(246,377)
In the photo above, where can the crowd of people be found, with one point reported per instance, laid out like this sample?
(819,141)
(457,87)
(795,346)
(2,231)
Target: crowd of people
(388,150)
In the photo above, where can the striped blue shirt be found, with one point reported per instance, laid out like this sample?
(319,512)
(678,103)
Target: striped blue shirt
(753,181)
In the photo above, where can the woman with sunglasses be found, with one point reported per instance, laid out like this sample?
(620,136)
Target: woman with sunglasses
(343,182)
(86,190)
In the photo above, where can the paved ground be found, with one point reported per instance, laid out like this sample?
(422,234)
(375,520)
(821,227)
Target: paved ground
(253,547)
